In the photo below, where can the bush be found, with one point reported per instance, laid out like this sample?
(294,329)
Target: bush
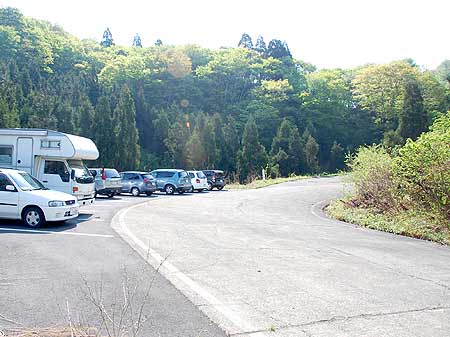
(372,177)
(422,169)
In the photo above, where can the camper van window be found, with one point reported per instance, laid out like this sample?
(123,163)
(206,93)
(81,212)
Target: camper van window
(57,167)
(50,144)
(82,174)
(6,155)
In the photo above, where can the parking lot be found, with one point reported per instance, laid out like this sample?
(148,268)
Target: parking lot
(46,273)
(255,263)
(268,262)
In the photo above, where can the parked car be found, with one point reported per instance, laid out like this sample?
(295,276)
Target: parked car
(107,181)
(24,197)
(55,158)
(171,180)
(136,183)
(198,180)
(216,179)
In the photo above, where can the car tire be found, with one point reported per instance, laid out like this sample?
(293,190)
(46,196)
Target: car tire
(210,186)
(135,192)
(33,217)
(192,190)
(111,195)
(149,194)
(169,189)
(220,188)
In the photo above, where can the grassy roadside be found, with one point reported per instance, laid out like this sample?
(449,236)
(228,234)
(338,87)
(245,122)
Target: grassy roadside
(258,183)
(408,223)
(263,183)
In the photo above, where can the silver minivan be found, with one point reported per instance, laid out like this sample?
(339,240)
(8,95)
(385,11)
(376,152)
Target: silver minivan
(136,183)
(107,181)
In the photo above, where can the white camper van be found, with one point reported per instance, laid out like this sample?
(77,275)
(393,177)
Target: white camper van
(55,158)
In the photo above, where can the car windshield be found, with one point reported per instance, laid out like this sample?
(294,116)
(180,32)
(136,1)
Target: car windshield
(201,174)
(182,174)
(26,182)
(111,173)
(80,169)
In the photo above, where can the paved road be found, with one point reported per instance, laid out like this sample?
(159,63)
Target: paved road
(43,273)
(268,259)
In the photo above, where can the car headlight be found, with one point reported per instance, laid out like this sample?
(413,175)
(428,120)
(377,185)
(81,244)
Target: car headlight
(56,203)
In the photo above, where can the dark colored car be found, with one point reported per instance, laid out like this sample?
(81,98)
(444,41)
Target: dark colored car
(216,179)
(107,181)
(171,180)
(136,183)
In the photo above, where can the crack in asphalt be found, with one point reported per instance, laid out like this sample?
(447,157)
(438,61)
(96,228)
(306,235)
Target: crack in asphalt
(343,318)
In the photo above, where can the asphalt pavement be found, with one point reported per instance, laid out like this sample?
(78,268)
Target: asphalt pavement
(268,262)
(62,274)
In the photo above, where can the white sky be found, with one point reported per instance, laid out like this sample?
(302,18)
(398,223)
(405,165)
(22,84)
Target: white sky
(327,33)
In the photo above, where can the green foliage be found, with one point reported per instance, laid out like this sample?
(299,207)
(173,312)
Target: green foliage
(245,41)
(423,169)
(371,173)
(412,119)
(189,106)
(252,157)
(107,40)
(311,152)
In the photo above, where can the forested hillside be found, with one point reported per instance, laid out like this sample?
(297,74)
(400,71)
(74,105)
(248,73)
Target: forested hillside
(239,109)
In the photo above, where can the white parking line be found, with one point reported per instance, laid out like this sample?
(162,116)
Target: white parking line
(53,232)
(172,272)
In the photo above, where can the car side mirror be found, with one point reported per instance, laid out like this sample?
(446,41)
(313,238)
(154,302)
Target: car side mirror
(72,174)
(10,188)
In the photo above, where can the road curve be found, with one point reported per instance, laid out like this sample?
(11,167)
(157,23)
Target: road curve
(268,262)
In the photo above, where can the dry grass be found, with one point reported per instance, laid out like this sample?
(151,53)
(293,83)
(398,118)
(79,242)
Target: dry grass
(258,183)
(50,332)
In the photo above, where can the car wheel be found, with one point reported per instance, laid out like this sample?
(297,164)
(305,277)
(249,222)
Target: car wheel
(210,187)
(111,195)
(170,189)
(149,193)
(192,189)
(220,188)
(33,217)
(135,192)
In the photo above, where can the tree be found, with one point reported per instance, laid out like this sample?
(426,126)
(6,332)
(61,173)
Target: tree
(8,116)
(287,149)
(107,40)
(137,41)
(252,157)
(413,118)
(195,152)
(260,46)
(337,158)
(311,151)
(124,120)
(245,41)
(278,49)
(106,134)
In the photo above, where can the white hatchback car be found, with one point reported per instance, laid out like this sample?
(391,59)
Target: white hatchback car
(24,197)
(198,180)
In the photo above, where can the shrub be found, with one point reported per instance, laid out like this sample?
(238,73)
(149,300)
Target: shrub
(372,177)
(422,169)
